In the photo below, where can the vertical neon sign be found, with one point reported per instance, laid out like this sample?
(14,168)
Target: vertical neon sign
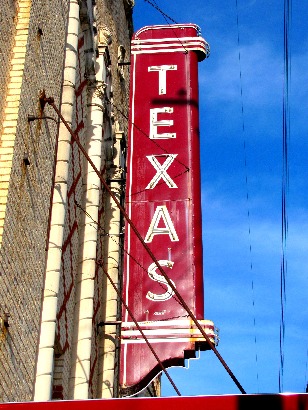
(163,199)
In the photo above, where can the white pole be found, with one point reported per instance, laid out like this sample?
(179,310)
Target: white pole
(45,359)
(79,383)
(110,341)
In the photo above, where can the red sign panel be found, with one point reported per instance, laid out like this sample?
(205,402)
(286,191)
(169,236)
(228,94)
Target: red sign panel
(163,201)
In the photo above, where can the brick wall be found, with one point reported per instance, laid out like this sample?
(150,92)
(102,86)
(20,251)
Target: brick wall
(8,13)
(27,161)
(36,64)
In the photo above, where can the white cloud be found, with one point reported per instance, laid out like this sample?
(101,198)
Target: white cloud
(261,66)
(261,69)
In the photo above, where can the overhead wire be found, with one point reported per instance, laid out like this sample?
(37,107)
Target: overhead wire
(139,327)
(284,182)
(211,345)
(145,134)
(166,18)
(154,4)
(187,169)
(247,197)
(101,228)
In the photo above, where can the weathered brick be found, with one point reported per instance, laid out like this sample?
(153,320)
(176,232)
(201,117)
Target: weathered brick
(3,199)
(13,98)
(7,136)
(23,15)
(6,150)
(18,67)
(3,185)
(21,40)
(7,146)
(16,79)
(22,25)
(22,33)
(9,124)
(4,158)
(12,110)
(12,104)
(4,178)
(5,170)
(11,117)
(20,48)
(25,191)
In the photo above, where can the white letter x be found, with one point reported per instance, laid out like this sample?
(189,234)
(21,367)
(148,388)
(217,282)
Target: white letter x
(161,170)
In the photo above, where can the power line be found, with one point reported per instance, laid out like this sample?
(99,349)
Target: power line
(247,194)
(186,168)
(284,183)
(154,4)
(166,18)
(146,135)
(100,227)
(140,329)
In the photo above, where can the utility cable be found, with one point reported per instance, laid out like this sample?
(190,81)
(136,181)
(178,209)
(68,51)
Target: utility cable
(247,194)
(139,328)
(155,6)
(145,134)
(166,18)
(99,227)
(50,101)
(284,183)
(186,168)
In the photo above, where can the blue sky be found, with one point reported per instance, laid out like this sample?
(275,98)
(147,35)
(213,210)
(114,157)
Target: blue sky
(228,275)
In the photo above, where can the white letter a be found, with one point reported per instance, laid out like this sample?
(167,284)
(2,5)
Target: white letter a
(161,212)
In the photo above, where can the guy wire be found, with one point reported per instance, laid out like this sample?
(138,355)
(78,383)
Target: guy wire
(139,328)
(211,345)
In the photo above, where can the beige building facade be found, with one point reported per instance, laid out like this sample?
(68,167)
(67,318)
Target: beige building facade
(58,331)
